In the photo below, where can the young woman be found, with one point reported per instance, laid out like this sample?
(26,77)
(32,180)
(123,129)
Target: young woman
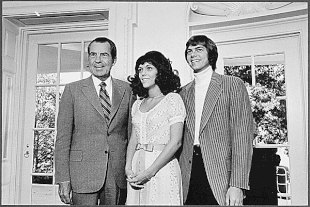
(153,173)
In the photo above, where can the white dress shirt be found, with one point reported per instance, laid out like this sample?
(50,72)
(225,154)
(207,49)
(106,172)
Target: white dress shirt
(202,82)
(108,87)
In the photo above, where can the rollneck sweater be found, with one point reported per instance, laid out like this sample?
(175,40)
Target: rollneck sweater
(202,82)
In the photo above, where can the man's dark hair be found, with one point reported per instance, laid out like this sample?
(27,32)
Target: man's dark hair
(208,44)
(103,40)
(166,79)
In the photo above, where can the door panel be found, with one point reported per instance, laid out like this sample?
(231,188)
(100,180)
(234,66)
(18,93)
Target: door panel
(53,61)
(9,151)
(272,50)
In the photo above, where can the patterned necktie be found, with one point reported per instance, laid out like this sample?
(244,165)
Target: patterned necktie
(105,100)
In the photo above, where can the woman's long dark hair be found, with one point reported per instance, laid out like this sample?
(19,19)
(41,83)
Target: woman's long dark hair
(166,79)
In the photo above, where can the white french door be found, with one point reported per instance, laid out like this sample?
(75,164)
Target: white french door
(277,58)
(53,60)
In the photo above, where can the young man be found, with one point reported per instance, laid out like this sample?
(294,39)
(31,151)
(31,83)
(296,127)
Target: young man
(93,128)
(216,154)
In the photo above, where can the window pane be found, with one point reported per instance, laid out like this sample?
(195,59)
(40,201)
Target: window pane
(38,179)
(86,72)
(268,99)
(270,118)
(270,73)
(47,64)
(70,63)
(43,151)
(240,67)
(269,177)
(267,96)
(283,177)
(45,107)
(61,90)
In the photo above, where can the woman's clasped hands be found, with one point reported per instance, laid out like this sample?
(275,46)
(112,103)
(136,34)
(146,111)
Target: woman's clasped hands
(137,181)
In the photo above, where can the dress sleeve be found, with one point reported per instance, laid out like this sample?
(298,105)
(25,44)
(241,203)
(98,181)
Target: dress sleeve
(176,109)
(134,108)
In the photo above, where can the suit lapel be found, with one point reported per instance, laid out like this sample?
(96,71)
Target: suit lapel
(190,103)
(117,97)
(213,93)
(89,91)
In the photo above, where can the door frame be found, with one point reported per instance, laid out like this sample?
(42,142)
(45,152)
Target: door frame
(289,46)
(32,64)
(295,26)
(122,20)
(22,73)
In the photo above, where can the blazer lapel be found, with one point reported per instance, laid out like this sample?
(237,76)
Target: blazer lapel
(118,94)
(213,93)
(190,103)
(89,91)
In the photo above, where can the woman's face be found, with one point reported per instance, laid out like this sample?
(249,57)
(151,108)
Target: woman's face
(147,74)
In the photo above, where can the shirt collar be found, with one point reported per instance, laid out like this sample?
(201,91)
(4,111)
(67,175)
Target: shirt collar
(97,81)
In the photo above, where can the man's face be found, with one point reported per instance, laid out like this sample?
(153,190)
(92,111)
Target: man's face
(100,59)
(197,58)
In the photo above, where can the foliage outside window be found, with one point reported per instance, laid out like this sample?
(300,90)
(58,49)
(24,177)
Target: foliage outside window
(267,100)
(44,133)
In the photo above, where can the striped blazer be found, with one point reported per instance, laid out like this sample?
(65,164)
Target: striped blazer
(225,136)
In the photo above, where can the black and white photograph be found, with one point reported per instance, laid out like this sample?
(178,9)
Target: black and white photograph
(155,103)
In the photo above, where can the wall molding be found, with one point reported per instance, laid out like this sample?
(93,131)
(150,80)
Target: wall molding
(242,22)
(131,21)
(234,8)
(13,8)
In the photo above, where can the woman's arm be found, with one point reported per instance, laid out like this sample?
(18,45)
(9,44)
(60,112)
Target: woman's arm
(130,152)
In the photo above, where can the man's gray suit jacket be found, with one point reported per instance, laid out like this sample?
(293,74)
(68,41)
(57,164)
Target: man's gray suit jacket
(86,145)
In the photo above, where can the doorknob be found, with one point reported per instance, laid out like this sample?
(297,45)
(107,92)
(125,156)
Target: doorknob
(26,154)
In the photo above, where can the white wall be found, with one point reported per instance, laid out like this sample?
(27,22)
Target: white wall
(162,26)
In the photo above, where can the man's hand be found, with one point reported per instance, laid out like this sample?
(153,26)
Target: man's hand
(64,192)
(234,197)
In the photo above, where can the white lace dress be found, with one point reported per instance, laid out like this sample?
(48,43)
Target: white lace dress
(153,127)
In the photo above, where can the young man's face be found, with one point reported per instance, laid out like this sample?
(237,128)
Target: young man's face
(197,58)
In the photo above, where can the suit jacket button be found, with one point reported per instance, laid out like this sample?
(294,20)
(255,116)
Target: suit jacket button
(190,161)
(106,151)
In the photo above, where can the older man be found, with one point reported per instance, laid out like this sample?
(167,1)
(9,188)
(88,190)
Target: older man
(92,132)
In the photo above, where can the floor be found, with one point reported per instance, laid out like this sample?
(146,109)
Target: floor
(43,195)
